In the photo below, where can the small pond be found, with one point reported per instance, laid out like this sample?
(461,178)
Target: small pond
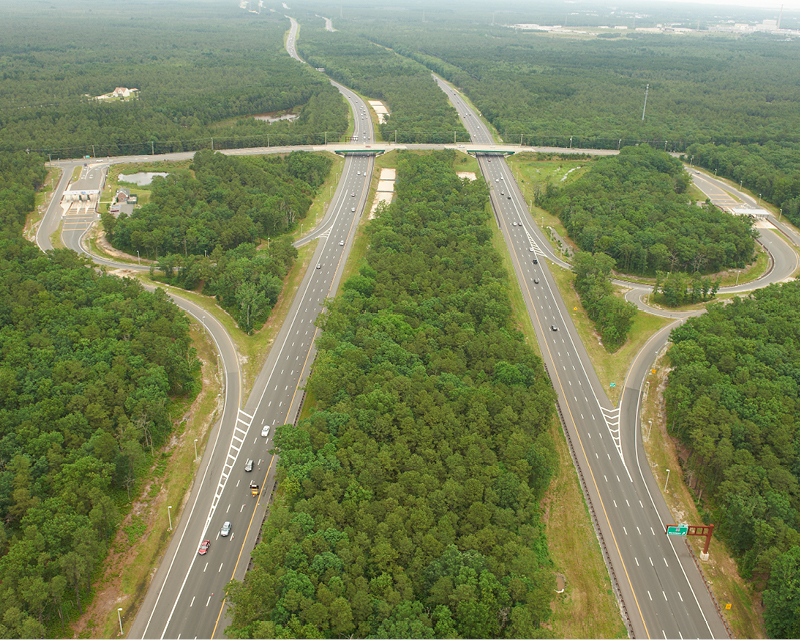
(142,178)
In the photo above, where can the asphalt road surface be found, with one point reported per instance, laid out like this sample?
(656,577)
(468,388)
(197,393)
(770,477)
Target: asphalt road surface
(186,597)
(662,592)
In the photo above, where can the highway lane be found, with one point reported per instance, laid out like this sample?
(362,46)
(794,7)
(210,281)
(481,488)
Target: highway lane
(662,591)
(328,227)
(189,599)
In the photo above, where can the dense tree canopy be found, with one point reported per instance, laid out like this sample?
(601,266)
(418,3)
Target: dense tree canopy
(633,207)
(551,90)
(612,315)
(419,110)
(733,400)
(201,71)
(411,493)
(246,281)
(88,366)
(223,201)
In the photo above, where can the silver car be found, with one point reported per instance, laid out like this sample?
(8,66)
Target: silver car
(226,529)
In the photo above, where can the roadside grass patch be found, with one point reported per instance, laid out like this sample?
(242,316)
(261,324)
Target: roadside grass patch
(610,367)
(720,570)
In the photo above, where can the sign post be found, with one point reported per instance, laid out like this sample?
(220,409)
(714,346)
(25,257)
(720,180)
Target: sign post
(692,530)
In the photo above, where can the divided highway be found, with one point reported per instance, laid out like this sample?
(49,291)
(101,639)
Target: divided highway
(662,592)
(185,599)
(655,576)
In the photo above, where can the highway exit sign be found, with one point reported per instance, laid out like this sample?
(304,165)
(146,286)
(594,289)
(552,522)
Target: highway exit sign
(677,529)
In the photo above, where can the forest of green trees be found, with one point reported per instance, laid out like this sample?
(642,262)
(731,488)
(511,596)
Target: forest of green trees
(551,90)
(89,365)
(420,111)
(221,201)
(612,315)
(633,206)
(200,73)
(733,400)
(411,494)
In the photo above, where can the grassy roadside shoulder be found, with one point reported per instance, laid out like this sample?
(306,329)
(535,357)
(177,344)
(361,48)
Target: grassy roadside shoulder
(610,367)
(587,608)
(745,614)
(143,535)
(41,202)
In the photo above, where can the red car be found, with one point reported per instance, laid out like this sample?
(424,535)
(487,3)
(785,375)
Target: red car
(204,547)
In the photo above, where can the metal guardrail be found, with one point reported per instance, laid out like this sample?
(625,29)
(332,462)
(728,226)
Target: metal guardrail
(595,523)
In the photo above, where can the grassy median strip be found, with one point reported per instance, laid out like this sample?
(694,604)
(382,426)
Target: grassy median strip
(587,608)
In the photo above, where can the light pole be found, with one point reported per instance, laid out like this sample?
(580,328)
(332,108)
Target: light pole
(195,449)
(779,215)
(649,429)
(666,481)
(737,277)
(169,513)
(137,257)
(204,323)
(759,199)
(119,617)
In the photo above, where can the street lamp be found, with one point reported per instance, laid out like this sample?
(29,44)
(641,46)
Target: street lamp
(666,481)
(195,449)
(779,215)
(737,277)
(649,429)
(137,257)
(119,617)
(169,513)
(759,199)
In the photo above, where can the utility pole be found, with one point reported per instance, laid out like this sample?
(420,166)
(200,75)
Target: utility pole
(646,89)
(212,144)
(152,149)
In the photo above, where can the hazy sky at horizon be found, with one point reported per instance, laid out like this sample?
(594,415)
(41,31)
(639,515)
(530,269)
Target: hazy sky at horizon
(788,5)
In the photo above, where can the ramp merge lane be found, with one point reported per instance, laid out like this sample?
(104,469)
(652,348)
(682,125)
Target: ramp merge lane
(187,598)
(660,588)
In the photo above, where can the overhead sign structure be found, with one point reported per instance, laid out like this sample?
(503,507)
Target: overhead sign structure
(702,530)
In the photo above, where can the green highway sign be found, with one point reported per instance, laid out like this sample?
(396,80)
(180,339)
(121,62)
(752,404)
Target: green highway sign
(677,529)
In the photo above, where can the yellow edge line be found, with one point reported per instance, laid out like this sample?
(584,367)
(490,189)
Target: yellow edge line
(263,485)
(533,306)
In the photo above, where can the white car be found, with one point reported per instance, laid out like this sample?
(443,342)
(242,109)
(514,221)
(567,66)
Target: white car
(341,243)
(265,431)
(319,266)
(226,529)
